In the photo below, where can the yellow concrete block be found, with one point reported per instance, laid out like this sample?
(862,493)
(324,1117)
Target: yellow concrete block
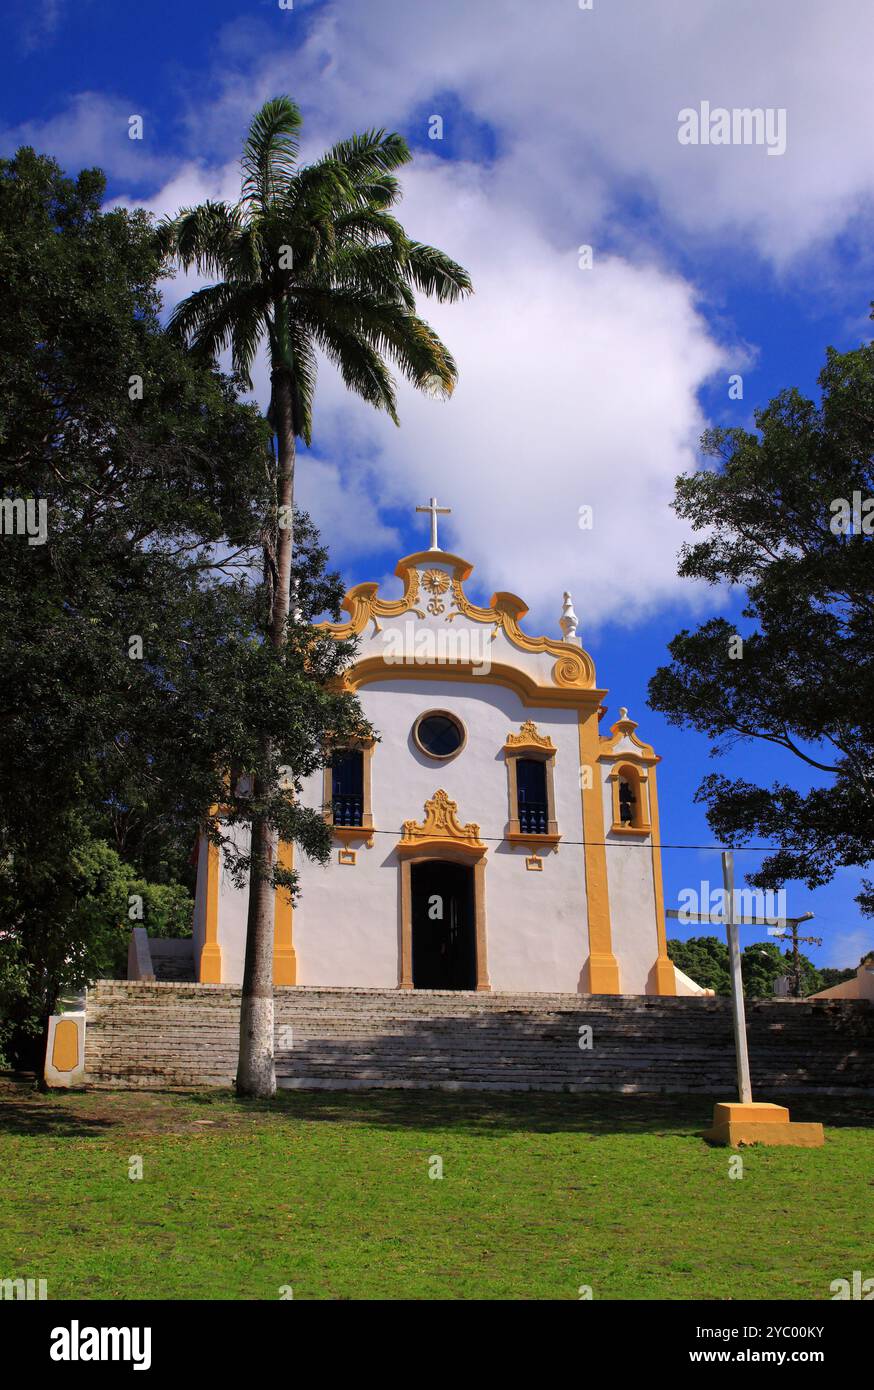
(211,964)
(65,1053)
(801,1135)
(759,1122)
(753,1112)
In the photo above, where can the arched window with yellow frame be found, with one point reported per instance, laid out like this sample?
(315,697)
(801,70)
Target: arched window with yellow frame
(530,758)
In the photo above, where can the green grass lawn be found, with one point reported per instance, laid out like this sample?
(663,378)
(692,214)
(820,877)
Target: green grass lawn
(330,1194)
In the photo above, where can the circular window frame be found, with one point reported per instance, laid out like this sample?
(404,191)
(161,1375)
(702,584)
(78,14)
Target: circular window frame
(442,714)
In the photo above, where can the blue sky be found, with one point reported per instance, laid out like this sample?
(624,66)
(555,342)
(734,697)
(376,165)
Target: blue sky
(577,387)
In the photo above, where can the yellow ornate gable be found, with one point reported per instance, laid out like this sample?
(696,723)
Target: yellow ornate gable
(440,591)
(441,827)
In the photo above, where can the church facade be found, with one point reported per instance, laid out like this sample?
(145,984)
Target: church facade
(496,835)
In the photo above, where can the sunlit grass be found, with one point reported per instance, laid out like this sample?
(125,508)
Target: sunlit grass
(330,1194)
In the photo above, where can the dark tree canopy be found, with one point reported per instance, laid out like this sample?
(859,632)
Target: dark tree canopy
(772,517)
(133,666)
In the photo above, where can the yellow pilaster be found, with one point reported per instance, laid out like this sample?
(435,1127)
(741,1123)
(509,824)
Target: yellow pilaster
(602,968)
(211,952)
(665,979)
(284,957)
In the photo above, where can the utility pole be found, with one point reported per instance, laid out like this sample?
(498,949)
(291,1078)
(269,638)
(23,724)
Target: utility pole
(792,924)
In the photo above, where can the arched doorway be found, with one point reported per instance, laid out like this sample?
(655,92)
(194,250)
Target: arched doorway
(444,925)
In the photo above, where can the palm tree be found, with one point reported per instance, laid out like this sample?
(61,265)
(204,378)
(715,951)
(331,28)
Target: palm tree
(310,259)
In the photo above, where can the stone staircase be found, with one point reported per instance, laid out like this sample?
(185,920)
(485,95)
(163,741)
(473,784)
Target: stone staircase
(154,1035)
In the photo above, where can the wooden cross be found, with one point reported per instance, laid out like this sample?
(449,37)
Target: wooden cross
(435,512)
(738,1016)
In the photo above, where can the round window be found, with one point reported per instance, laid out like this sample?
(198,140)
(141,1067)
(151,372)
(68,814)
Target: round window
(438,734)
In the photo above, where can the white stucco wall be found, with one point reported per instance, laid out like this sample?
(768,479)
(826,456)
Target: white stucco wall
(233,909)
(346,922)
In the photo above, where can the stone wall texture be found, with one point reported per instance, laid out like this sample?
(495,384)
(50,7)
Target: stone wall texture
(157,1035)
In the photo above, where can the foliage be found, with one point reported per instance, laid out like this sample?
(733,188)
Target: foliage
(831,976)
(770,515)
(133,670)
(705,960)
(66,916)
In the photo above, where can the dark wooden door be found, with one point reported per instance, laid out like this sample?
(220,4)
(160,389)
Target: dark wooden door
(444,935)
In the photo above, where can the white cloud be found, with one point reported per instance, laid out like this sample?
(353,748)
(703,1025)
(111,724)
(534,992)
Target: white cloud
(93,131)
(585,103)
(344,504)
(576,387)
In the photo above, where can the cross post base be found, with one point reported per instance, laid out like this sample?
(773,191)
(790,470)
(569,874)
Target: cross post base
(759,1122)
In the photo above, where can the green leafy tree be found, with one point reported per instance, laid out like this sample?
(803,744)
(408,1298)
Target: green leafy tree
(76,929)
(832,976)
(167,907)
(133,666)
(761,964)
(115,629)
(705,960)
(309,260)
(773,516)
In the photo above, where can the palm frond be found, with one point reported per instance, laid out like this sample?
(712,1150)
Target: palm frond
(366,156)
(203,236)
(369,225)
(270,151)
(388,327)
(232,315)
(304,369)
(373,268)
(434,273)
(361,367)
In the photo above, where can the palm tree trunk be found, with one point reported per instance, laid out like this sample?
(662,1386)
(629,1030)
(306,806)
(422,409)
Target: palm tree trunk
(256,1073)
(284,426)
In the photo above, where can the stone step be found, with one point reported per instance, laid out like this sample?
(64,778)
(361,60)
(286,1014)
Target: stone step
(182,1034)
